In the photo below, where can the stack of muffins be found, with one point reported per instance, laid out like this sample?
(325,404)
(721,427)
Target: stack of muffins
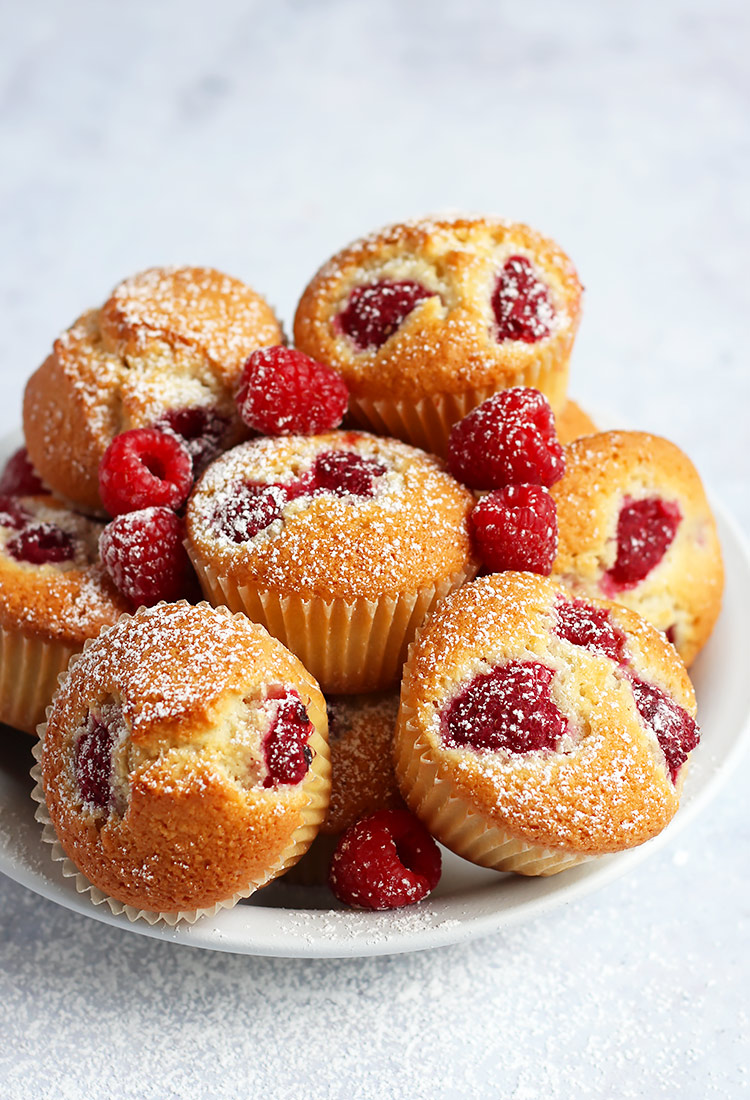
(528,722)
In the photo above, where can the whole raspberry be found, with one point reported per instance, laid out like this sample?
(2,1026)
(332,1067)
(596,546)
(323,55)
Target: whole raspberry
(373,313)
(516,528)
(145,468)
(385,861)
(507,440)
(144,555)
(521,303)
(283,392)
(19,478)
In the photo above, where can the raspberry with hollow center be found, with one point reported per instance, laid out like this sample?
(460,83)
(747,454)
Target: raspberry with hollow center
(645,531)
(287,754)
(202,429)
(373,313)
(590,627)
(284,392)
(143,553)
(343,472)
(42,544)
(507,440)
(92,763)
(385,861)
(145,468)
(676,732)
(19,478)
(508,708)
(521,303)
(516,528)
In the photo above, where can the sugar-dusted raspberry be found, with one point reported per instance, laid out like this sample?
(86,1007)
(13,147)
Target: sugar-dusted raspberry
(521,303)
(507,440)
(590,627)
(42,544)
(287,754)
(516,528)
(144,555)
(13,514)
(249,508)
(19,478)
(508,708)
(92,762)
(145,468)
(343,472)
(201,428)
(283,392)
(645,531)
(373,313)
(676,732)
(385,861)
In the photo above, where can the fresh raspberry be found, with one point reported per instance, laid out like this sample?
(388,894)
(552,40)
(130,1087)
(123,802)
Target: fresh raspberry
(508,708)
(13,514)
(19,478)
(144,555)
(675,730)
(385,861)
(42,544)
(590,627)
(201,429)
(145,468)
(345,472)
(516,528)
(521,303)
(645,530)
(509,439)
(373,313)
(283,392)
(287,754)
(92,761)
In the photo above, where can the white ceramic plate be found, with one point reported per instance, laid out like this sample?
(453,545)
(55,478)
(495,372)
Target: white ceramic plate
(469,901)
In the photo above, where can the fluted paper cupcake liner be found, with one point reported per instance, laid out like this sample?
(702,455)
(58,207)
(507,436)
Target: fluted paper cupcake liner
(29,672)
(433,799)
(348,646)
(427,421)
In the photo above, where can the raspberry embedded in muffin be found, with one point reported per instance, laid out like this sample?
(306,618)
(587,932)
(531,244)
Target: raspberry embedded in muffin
(645,531)
(521,303)
(374,312)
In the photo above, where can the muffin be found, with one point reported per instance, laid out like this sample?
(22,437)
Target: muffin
(635,526)
(184,762)
(166,349)
(360,736)
(338,543)
(54,595)
(572,422)
(427,319)
(537,731)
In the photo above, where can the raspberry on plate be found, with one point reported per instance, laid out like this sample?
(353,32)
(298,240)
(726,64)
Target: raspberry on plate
(145,468)
(284,392)
(508,439)
(385,861)
(19,478)
(516,528)
(144,555)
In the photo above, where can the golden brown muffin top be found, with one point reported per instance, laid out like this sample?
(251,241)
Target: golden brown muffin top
(606,785)
(410,533)
(447,343)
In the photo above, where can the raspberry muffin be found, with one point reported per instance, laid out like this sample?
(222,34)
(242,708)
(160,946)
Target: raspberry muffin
(634,526)
(184,762)
(166,349)
(339,543)
(360,736)
(427,319)
(54,595)
(537,731)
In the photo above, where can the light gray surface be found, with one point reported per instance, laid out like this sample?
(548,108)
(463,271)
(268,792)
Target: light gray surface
(260,138)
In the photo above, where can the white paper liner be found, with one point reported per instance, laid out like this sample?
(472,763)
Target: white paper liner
(348,646)
(433,799)
(313,814)
(29,672)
